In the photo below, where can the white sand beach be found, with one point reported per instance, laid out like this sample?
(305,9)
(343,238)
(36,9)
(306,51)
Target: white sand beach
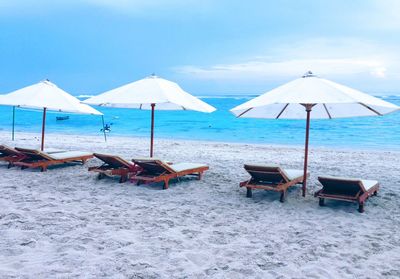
(65,223)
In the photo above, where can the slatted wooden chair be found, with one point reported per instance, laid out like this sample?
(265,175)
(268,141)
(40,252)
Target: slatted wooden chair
(271,178)
(346,189)
(155,170)
(114,166)
(10,155)
(39,159)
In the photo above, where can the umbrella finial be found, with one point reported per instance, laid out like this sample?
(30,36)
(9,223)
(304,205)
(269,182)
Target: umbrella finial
(47,81)
(153,75)
(308,74)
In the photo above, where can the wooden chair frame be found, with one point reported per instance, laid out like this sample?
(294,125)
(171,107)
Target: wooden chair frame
(38,159)
(114,166)
(10,155)
(146,176)
(359,197)
(279,183)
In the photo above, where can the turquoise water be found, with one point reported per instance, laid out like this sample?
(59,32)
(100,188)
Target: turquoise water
(362,133)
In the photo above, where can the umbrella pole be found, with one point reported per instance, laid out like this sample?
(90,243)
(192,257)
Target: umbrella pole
(152,130)
(304,188)
(13,124)
(104,130)
(43,126)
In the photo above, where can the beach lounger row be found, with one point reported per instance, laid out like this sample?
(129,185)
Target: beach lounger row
(150,170)
(275,178)
(145,170)
(140,170)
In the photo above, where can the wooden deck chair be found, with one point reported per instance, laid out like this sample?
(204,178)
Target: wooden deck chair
(38,159)
(10,155)
(155,170)
(271,178)
(114,166)
(346,189)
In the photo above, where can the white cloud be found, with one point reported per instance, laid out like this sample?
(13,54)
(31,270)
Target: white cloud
(331,58)
(284,68)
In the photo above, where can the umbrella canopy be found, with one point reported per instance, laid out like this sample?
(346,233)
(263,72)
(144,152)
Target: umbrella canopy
(319,98)
(329,100)
(46,96)
(150,93)
(167,95)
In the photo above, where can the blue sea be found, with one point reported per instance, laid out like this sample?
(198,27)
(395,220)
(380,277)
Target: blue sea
(361,133)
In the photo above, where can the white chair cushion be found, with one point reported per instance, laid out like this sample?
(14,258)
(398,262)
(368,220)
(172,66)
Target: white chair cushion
(68,154)
(368,184)
(53,150)
(185,166)
(293,174)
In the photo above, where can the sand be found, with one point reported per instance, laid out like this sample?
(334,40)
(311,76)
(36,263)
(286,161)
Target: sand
(65,223)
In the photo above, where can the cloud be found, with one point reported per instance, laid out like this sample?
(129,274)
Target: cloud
(269,69)
(344,58)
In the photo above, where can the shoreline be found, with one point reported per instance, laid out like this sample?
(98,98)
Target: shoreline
(5,134)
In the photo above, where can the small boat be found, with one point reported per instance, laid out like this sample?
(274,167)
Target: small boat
(62,117)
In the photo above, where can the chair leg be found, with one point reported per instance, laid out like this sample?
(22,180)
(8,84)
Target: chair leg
(361,207)
(283,196)
(100,176)
(249,193)
(9,165)
(200,176)
(321,201)
(43,169)
(166,184)
(123,178)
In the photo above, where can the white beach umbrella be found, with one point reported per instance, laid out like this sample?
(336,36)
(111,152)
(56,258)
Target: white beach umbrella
(150,93)
(46,96)
(324,98)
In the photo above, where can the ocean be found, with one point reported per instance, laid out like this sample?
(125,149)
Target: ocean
(360,133)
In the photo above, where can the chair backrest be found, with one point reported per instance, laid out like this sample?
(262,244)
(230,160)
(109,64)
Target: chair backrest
(267,174)
(341,186)
(113,161)
(9,151)
(153,166)
(34,154)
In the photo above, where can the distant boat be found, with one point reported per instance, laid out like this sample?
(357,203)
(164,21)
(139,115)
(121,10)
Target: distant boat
(62,117)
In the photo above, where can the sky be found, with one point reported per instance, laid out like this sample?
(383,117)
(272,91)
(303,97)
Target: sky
(209,47)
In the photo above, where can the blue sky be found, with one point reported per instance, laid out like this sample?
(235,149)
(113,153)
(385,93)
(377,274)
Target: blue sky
(208,46)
